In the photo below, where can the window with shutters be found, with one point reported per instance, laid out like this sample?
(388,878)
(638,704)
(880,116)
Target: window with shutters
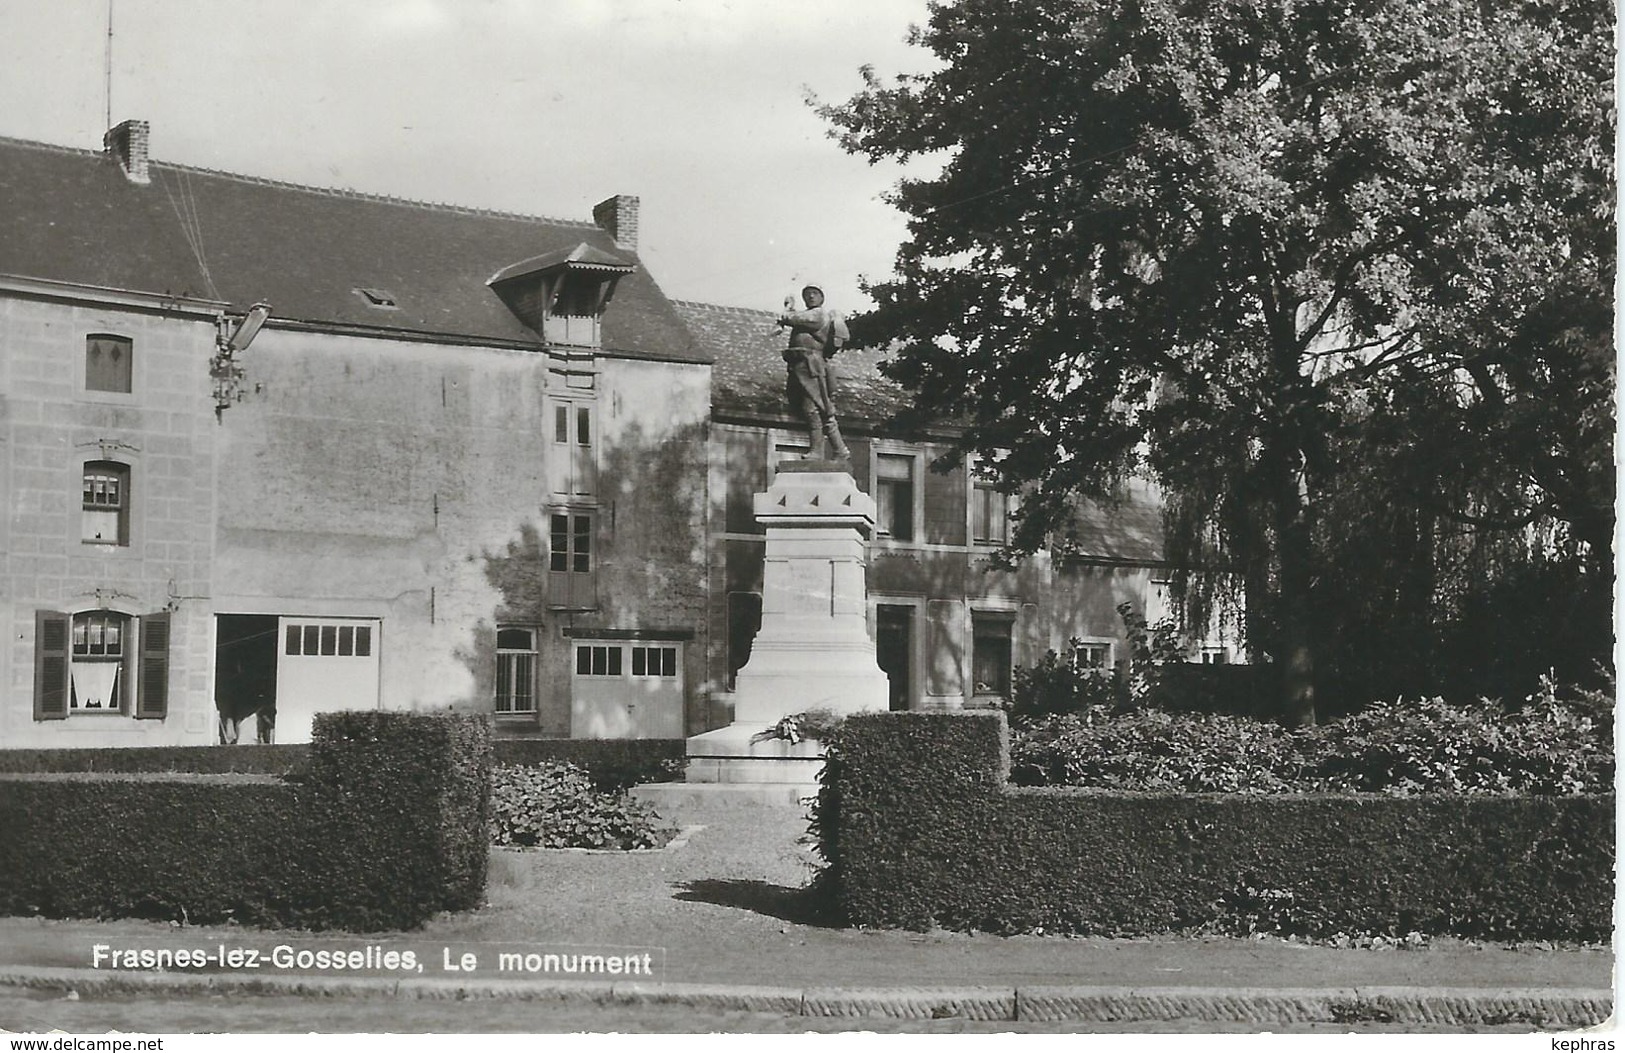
(108,362)
(105,503)
(516,671)
(101,662)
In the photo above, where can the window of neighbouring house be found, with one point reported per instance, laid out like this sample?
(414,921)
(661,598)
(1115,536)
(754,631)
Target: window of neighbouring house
(1092,656)
(1215,655)
(894,496)
(105,515)
(991,655)
(990,514)
(516,671)
(101,662)
(108,361)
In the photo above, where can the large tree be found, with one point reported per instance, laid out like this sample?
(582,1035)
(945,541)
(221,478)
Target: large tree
(1220,242)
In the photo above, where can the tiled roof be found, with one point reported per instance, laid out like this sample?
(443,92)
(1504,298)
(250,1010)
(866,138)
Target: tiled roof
(747,376)
(71,216)
(1127,531)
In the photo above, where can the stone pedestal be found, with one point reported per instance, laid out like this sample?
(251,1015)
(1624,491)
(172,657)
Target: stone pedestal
(813,650)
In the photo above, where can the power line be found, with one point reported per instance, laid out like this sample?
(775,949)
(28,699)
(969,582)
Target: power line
(108,68)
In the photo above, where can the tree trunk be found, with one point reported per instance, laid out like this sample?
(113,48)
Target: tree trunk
(1297,657)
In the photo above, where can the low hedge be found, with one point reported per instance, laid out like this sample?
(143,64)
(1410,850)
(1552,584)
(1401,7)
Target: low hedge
(613,764)
(919,829)
(386,828)
(256,760)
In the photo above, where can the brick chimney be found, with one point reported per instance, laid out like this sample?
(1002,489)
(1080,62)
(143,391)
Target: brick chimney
(127,143)
(619,216)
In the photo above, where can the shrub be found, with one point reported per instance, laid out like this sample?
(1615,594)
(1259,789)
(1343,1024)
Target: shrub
(1055,685)
(920,829)
(613,764)
(1546,747)
(1164,752)
(555,805)
(387,829)
(1552,745)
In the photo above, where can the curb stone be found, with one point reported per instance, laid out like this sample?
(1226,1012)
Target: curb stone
(912,1003)
(1541,1008)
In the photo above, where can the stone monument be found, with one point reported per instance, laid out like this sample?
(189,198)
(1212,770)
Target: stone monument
(813,650)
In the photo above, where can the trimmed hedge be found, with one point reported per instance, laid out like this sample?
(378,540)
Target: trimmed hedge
(386,828)
(255,760)
(613,764)
(919,829)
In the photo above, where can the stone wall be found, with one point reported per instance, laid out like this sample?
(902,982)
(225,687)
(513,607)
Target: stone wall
(163,433)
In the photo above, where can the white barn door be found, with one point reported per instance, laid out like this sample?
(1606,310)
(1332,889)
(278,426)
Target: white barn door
(323,665)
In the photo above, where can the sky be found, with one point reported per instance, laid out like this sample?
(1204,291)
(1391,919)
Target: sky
(543,107)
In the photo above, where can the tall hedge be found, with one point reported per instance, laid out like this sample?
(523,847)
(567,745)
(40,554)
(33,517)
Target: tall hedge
(920,829)
(386,828)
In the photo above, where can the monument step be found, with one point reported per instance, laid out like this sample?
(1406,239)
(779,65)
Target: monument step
(791,770)
(669,798)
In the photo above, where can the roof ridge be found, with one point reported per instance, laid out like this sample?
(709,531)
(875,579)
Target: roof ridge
(723,307)
(9,140)
(363,195)
(285,184)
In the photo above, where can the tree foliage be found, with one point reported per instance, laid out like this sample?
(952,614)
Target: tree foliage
(1302,262)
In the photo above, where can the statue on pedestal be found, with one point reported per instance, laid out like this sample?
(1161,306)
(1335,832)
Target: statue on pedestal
(815,334)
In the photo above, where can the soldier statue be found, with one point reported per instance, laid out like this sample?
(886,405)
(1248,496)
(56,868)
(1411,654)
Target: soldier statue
(815,334)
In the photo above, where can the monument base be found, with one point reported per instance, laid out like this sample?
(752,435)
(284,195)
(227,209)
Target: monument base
(813,650)
(734,754)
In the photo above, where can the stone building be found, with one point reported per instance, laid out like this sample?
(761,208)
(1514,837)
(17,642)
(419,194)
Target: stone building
(268,450)
(464,461)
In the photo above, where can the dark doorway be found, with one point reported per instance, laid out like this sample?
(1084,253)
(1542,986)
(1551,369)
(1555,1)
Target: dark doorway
(245,653)
(894,649)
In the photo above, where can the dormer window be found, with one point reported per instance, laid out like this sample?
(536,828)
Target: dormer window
(382,299)
(561,296)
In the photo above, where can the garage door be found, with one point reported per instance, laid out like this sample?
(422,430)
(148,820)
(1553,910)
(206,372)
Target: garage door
(324,665)
(626,690)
